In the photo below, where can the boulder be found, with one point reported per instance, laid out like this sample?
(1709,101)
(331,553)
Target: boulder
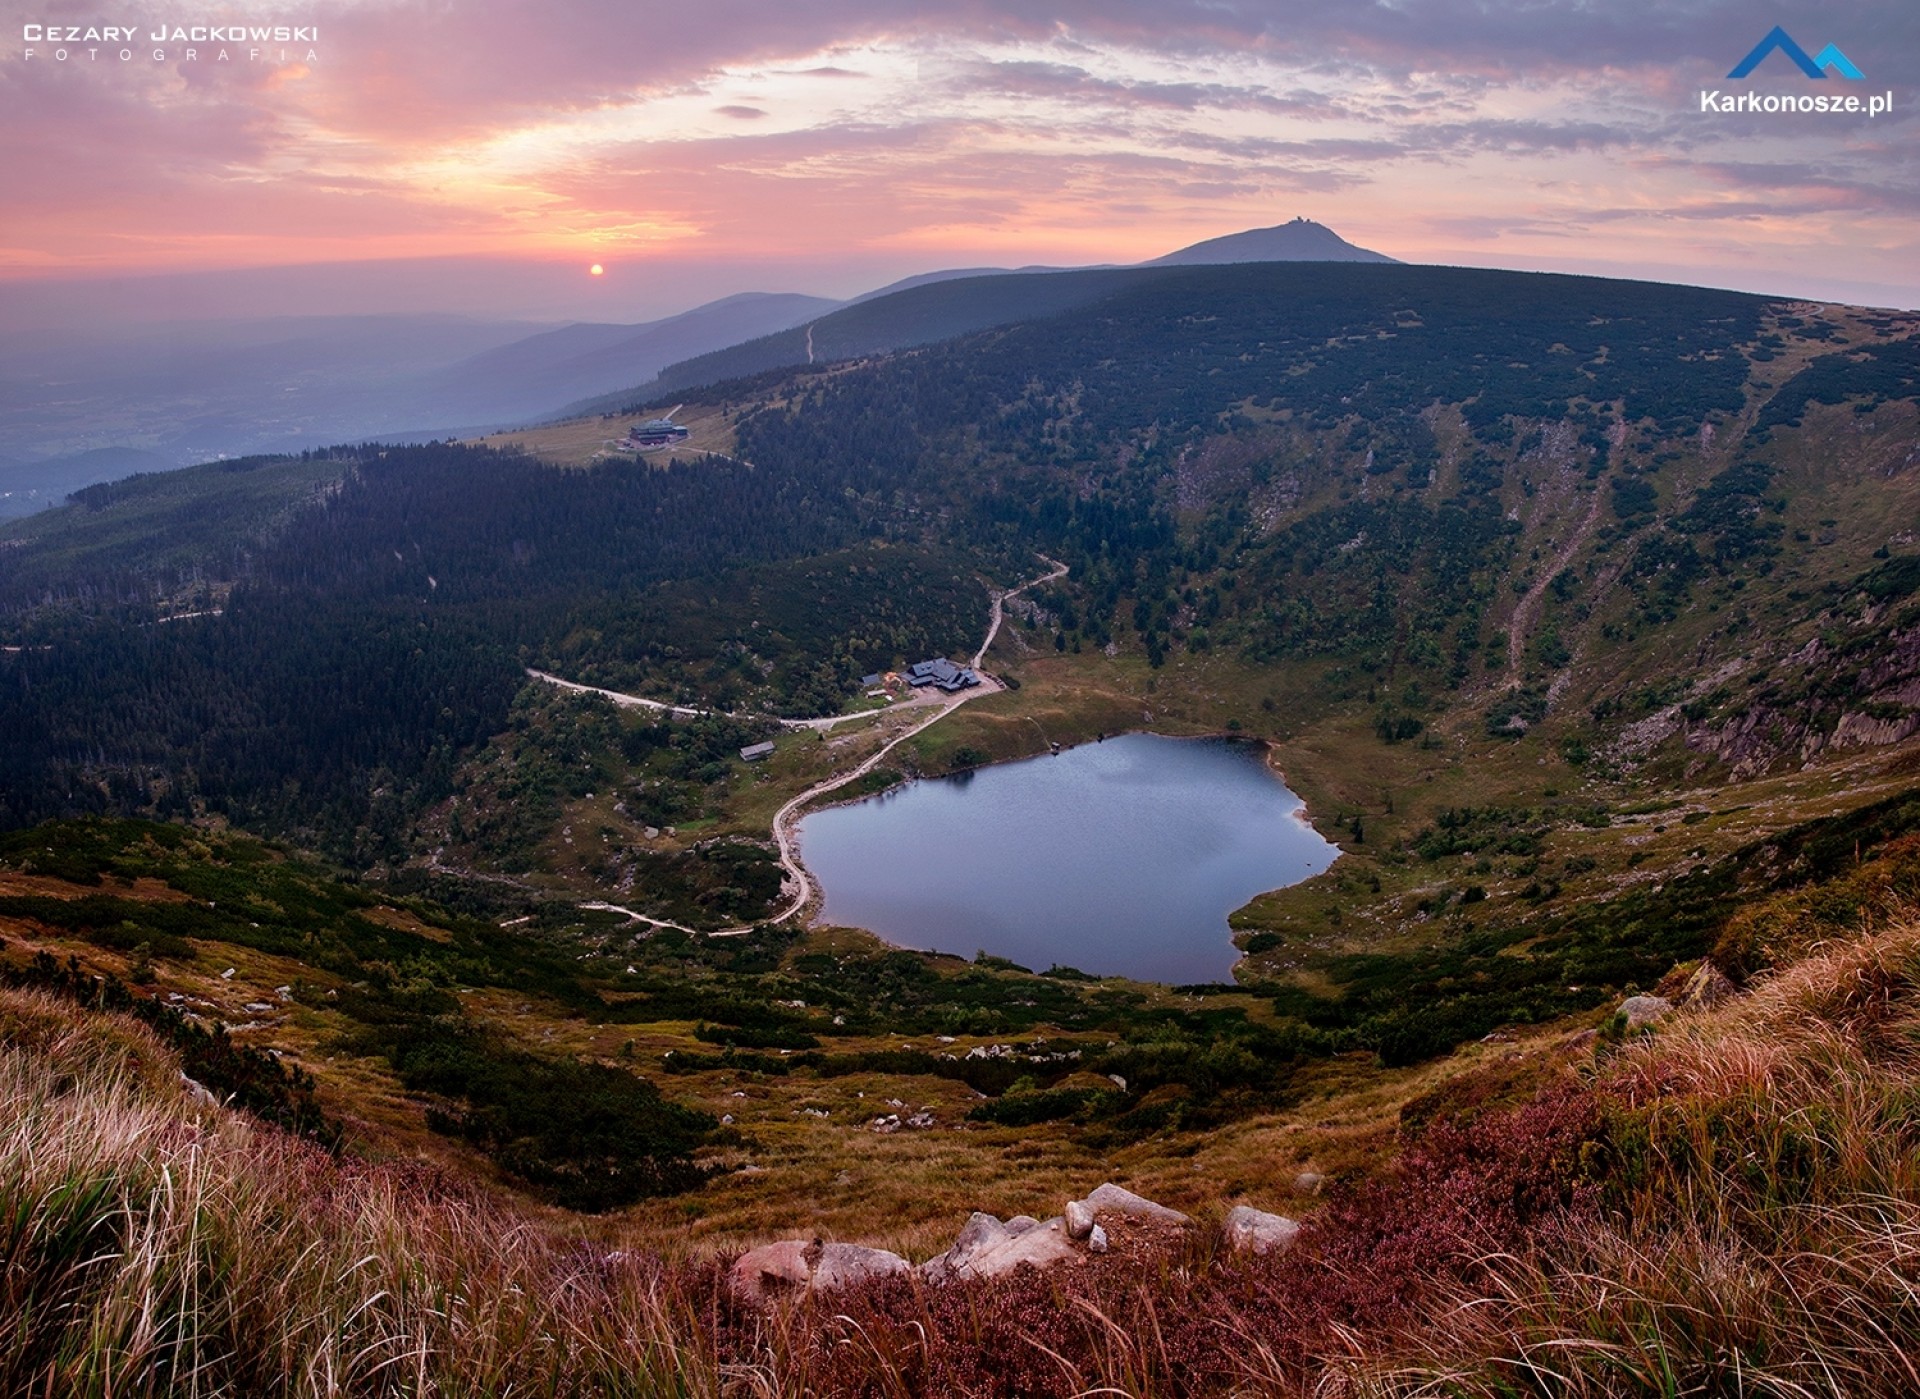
(1644,1010)
(1040,1247)
(1116,1200)
(1309,1183)
(1096,1240)
(764,1272)
(987,1248)
(1020,1223)
(1255,1231)
(789,1265)
(982,1233)
(1079,1218)
(843,1265)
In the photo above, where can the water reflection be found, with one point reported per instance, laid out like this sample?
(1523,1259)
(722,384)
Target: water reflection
(1123,857)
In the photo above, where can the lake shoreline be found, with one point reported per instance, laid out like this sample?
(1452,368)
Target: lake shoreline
(1162,840)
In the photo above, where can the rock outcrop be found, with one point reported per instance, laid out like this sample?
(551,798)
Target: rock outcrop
(1708,986)
(989,1248)
(986,1247)
(1248,1230)
(1644,1010)
(791,1265)
(1117,1200)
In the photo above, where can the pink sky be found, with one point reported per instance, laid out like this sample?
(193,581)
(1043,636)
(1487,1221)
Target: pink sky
(831,145)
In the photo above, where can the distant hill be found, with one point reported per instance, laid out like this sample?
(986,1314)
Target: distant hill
(79,409)
(196,391)
(29,486)
(936,306)
(923,314)
(1302,240)
(191,391)
(954,274)
(542,373)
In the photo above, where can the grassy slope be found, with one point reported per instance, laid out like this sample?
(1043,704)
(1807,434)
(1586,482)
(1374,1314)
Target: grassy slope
(188,529)
(829,1173)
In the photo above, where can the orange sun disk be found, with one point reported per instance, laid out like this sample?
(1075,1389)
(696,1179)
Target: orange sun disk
(596,270)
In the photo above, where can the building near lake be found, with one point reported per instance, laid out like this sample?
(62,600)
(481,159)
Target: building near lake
(942,674)
(656,432)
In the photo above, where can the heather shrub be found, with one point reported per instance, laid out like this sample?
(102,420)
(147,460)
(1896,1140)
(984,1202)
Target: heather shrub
(1758,1228)
(1188,1320)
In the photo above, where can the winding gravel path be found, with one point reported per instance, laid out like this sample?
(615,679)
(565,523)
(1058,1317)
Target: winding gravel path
(786,819)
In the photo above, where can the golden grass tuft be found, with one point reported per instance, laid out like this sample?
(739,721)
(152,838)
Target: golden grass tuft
(153,1248)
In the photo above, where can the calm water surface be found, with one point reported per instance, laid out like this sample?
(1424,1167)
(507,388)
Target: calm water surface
(1119,858)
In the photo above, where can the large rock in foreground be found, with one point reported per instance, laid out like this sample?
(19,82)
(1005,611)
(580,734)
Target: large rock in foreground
(987,1248)
(1644,1010)
(793,1265)
(1110,1217)
(1111,1199)
(1249,1230)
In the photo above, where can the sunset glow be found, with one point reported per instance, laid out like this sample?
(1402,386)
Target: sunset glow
(844,136)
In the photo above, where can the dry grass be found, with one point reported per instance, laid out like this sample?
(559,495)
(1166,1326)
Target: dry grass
(1729,1207)
(1765,1230)
(580,442)
(153,1249)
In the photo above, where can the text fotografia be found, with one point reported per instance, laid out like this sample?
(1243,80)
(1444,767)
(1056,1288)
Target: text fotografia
(1835,104)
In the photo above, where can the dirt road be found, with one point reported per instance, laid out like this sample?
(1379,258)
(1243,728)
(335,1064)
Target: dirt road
(786,820)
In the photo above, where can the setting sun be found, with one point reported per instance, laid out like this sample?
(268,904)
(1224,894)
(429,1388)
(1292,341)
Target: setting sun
(596,270)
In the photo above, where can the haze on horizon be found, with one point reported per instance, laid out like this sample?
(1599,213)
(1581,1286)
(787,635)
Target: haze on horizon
(476,157)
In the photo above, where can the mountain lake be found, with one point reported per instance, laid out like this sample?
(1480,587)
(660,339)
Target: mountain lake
(1120,858)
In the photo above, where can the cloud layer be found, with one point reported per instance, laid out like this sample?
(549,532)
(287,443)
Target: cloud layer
(862,134)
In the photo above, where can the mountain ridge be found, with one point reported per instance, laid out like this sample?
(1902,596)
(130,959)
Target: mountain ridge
(286,379)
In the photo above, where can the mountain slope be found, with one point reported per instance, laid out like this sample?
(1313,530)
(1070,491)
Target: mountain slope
(1584,615)
(922,314)
(541,374)
(1500,558)
(190,391)
(915,311)
(1564,1152)
(74,410)
(29,486)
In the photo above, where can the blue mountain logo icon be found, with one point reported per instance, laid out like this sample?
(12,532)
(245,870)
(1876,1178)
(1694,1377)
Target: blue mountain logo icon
(1830,58)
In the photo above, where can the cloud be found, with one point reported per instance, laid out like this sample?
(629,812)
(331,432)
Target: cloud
(495,126)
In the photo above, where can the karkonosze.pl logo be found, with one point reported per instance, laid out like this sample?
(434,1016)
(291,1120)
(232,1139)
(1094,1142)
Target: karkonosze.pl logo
(1820,67)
